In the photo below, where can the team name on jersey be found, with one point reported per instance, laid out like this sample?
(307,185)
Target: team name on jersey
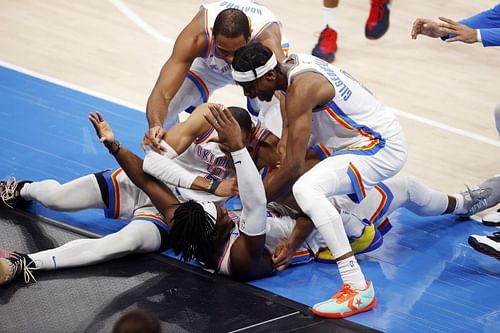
(219,167)
(244,9)
(342,88)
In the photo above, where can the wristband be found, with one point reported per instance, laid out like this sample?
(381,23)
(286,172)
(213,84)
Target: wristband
(214,184)
(118,147)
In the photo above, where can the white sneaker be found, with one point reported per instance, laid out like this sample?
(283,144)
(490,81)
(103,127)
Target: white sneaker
(489,245)
(492,219)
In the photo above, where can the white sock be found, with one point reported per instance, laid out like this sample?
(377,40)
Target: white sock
(329,17)
(459,207)
(351,273)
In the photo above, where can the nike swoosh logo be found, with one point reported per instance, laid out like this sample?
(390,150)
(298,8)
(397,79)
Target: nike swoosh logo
(237,162)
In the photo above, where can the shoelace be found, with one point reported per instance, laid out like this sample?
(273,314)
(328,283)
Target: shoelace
(376,11)
(480,195)
(21,265)
(344,294)
(8,191)
(495,236)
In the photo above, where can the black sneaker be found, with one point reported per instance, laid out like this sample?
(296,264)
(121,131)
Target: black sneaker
(489,245)
(15,264)
(10,193)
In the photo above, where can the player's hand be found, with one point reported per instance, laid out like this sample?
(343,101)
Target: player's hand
(228,130)
(152,138)
(228,187)
(427,27)
(463,33)
(282,255)
(102,128)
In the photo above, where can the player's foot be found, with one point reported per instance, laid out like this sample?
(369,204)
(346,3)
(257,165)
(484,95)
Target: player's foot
(14,265)
(370,239)
(492,219)
(327,45)
(489,245)
(378,20)
(486,195)
(347,302)
(10,193)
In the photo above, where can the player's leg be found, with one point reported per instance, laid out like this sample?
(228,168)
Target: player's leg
(139,236)
(81,193)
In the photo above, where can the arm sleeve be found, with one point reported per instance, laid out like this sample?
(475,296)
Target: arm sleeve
(489,24)
(252,194)
(165,169)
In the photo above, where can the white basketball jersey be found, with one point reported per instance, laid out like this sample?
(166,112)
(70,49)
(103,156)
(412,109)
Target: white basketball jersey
(354,120)
(260,19)
(278,228)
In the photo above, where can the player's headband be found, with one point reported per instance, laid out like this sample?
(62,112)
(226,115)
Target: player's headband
(255,74)
(210,209)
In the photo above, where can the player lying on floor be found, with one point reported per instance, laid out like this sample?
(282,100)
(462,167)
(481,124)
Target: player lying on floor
(169,223)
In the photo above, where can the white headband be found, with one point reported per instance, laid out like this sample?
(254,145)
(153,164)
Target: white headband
(250,76)
(210,209)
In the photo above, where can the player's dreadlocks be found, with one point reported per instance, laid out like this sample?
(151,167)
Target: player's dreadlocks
(191,232)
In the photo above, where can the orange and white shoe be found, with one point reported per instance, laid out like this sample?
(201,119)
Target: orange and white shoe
(347,302)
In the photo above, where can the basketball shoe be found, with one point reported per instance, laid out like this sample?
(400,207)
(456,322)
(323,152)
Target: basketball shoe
(15,264)
(326,46)
(347,302)
(489,245)
(492,219)
(484,196)
(378,20)
(370,240)
(10,193)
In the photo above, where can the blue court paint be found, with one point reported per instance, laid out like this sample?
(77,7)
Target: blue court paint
(426,277)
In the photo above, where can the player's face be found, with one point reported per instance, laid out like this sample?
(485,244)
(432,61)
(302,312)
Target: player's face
(224,223)
(226,46)
(262,88)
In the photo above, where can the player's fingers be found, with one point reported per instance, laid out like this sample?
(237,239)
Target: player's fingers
(447,20)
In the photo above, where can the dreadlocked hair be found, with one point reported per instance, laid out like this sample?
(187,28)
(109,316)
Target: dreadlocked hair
(191,232)
(232,23)
(250,57)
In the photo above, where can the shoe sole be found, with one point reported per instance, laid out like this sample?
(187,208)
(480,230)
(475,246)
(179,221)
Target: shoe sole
(491,224)
(483,248)
(345,314)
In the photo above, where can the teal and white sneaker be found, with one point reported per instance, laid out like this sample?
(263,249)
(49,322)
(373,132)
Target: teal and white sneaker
(347,302)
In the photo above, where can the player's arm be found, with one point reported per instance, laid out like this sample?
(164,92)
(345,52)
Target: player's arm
(272,39)
(307,91)
(298,111)
(159,194)
(286,249)
(249,259)
(190,44)
(176,141)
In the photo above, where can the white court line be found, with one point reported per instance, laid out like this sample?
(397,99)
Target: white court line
(150,30)
(140,22)
(265,322)
(445,127)
(403,114)
(72,86)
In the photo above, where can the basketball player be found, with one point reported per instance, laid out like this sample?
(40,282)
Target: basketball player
(324,104)
(212,245)
(201,59)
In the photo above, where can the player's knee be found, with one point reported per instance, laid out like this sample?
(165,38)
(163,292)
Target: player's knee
(303,193)
(417,192)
